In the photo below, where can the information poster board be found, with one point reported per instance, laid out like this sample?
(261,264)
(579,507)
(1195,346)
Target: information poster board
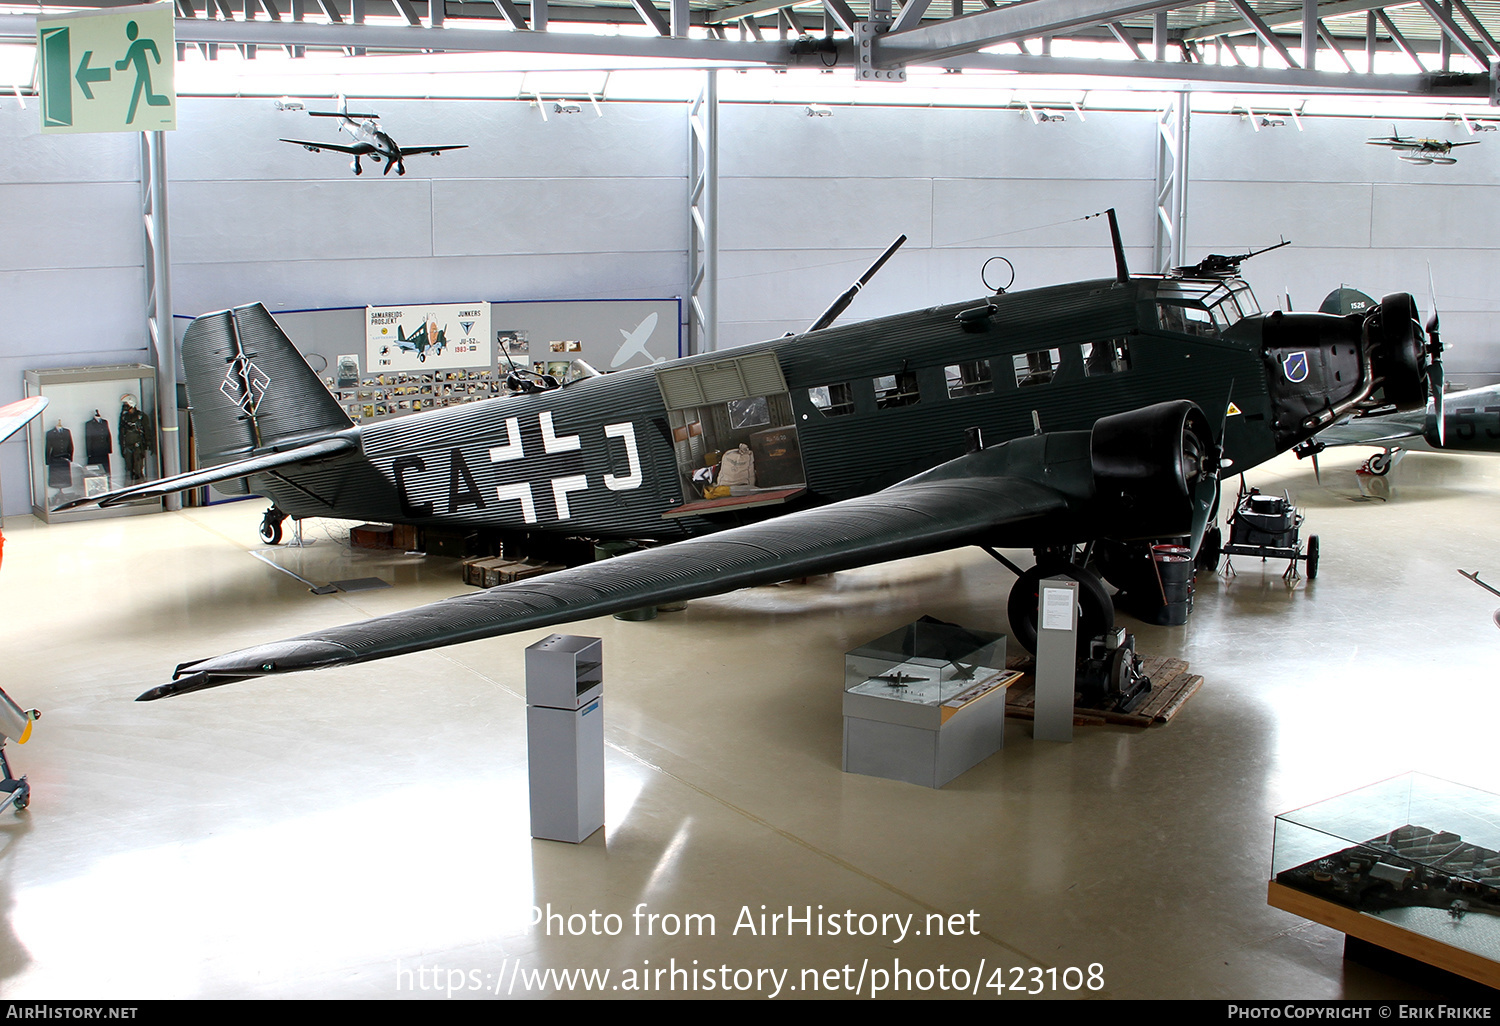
(448,336)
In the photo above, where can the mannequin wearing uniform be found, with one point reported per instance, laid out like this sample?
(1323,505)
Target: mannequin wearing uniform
(96,443)
(59,457)
(135,438)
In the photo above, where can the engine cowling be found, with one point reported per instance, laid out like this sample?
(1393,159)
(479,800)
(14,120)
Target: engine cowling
(1398,351)
(1147,465)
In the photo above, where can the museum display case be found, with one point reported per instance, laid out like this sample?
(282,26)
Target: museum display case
(97,435)
(925,702)
(1411,864)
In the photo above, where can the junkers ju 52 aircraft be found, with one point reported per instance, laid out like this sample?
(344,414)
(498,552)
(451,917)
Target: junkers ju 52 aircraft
(369,141)
(1050,419)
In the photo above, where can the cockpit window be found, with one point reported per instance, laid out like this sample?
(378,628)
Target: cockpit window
(1203,307)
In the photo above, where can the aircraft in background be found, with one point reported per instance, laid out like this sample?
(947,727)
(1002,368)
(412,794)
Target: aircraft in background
(1069,420)
(1419,151)
(369,141)
(428,338)
(635,343)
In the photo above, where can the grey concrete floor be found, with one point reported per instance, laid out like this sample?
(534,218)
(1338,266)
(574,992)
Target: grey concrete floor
(363,832)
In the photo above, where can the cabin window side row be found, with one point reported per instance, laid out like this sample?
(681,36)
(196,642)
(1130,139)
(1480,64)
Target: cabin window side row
(974,377)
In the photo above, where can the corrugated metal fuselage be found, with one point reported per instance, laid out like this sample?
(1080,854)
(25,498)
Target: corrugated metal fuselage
(596,457)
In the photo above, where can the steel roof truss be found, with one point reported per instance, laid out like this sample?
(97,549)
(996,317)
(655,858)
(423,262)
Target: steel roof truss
(1263,31)
(1453,32)
(1027,19)
(1399,39)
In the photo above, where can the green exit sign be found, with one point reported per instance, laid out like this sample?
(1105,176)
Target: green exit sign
(108,71)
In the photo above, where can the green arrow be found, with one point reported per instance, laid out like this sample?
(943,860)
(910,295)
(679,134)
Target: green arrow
(87,74)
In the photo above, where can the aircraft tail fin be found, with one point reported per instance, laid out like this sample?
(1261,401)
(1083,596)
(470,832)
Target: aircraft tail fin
(250,389)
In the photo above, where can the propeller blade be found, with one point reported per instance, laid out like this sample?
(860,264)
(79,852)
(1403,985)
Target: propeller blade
(1317,472)
(1435,360)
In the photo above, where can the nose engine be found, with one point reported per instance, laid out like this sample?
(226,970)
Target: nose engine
(1321,367)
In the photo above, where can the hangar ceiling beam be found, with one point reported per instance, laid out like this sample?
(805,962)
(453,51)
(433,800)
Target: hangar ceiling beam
(512,15)
(457,40)
(652,17)
(1263,31)
(1027,19)
(1250,79)
(1456,34)
(1478,26)
(841,13)
(1285,19)
(1400,40)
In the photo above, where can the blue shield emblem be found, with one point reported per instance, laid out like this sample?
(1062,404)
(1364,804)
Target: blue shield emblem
(1294,366)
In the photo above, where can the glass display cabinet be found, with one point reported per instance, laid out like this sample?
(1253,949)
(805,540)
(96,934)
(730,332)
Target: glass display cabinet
(1411,864)
(925,702)
(98,434)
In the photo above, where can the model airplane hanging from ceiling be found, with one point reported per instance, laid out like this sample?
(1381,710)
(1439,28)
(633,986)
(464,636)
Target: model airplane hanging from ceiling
(1419,151)
(370,141)
(1048,419)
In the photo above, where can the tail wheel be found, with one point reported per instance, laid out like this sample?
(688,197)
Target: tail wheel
(270,526)
(1096,613)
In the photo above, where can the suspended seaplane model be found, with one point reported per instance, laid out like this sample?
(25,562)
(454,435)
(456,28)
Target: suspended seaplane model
(1048,419)
(1419,151)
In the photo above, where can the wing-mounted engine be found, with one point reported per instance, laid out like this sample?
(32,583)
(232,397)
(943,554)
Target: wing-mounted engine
(1148,467)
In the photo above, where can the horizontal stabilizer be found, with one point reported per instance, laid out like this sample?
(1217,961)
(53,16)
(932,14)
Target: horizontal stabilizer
(321,449)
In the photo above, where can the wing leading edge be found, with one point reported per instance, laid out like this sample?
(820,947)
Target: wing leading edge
(949,507)
(1145,474)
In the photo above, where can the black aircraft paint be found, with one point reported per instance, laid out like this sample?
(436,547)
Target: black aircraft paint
(1139,384)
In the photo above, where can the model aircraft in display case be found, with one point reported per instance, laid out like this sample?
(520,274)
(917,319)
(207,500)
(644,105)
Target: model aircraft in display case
(1046,419)
(370,141)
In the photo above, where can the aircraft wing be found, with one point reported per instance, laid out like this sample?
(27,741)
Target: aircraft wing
(321,449)
(413,151)
(358,151)
(14,416)
(954,505)
(1391,429)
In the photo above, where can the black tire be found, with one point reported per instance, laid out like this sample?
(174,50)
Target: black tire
(1312,558)
(1380,464)
(1096,613)
(1210,551)
(270,530)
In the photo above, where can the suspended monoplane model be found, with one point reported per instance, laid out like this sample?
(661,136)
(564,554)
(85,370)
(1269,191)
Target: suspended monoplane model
(1099,411)
(370,141)
(1419,151)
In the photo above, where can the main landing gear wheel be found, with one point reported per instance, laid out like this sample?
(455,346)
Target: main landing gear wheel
(1096,613)
(1210,550)
(1379,465)
(1312,558)
(270,526)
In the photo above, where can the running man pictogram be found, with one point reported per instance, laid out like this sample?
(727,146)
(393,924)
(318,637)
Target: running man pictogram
(137,55)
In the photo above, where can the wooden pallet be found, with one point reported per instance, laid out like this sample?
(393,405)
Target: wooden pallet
(1171,687)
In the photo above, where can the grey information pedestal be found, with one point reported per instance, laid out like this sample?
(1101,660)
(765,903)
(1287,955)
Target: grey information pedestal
(1056,659)
(565,736)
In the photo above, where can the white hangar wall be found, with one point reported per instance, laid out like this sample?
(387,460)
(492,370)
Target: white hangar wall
(581,206)
(1357,215)
(808,202)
